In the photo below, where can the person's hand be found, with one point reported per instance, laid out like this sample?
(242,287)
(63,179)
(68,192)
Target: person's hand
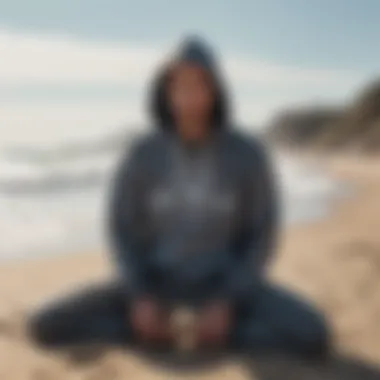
(149,321)
(214,324)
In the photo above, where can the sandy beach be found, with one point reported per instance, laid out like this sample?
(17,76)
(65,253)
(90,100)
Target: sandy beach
(335,262)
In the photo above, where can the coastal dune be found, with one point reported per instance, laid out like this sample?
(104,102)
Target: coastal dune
(335,262)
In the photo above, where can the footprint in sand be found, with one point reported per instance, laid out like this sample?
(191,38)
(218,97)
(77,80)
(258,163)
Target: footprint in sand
(7,329)
(12,324)
(43,374)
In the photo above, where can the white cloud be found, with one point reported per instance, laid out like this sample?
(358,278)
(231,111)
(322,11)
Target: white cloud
(44,59)
(38,60)
(24,123)
(32,58)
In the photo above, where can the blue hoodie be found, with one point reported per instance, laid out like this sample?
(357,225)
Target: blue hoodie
(193,223)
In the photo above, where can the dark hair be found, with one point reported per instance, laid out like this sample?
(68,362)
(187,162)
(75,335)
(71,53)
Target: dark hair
(160,110)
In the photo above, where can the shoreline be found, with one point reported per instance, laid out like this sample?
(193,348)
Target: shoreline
(307,195)
(334,262)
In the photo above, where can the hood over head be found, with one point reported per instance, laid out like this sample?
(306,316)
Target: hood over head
(192,50)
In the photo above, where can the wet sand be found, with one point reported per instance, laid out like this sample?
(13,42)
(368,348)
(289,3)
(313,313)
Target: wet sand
(335,262)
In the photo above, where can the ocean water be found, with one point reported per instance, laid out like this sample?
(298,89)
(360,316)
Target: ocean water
(54,203)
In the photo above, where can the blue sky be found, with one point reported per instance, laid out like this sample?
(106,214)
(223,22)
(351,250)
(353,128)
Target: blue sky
(83,65)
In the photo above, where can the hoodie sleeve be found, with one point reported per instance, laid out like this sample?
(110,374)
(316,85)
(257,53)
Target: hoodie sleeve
(257,239)
(125,221)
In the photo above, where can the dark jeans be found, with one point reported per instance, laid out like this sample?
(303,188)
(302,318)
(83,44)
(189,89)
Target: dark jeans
(272,320)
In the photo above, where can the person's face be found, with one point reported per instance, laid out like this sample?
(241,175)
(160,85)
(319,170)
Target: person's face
(191,97)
